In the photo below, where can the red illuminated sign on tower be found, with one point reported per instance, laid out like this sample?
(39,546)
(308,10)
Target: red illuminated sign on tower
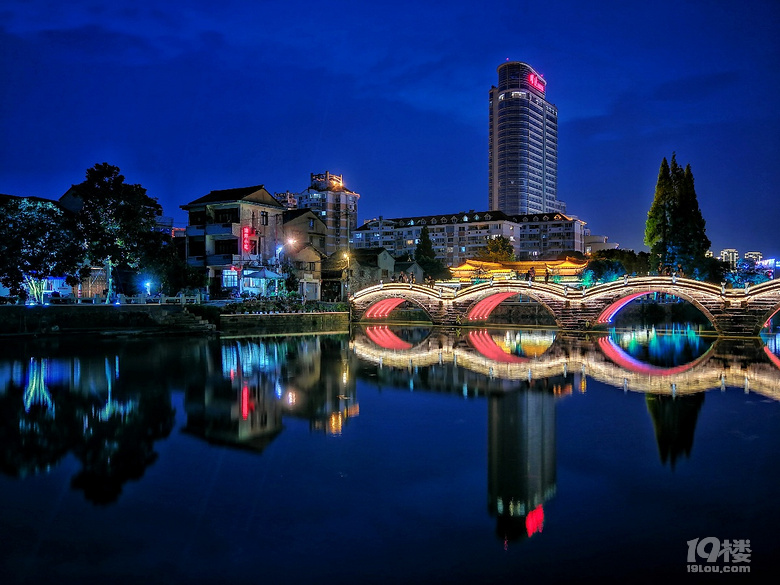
(245,242)
(535,82)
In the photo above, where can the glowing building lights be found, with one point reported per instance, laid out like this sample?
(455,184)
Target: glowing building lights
(246,243)
(536,82)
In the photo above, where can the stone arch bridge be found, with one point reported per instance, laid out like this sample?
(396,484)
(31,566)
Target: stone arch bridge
(741,312)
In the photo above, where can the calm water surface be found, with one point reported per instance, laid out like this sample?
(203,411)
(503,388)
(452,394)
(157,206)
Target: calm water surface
(395,455)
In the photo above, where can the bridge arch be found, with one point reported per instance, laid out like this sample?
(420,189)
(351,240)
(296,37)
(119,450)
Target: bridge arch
(479,301)
(611,310)
(379,301)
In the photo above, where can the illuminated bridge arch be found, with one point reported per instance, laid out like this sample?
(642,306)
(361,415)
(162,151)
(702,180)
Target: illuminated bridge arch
(377,302)
(478,302)
(731,311)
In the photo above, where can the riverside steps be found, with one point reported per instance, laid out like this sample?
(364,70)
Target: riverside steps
(732,312)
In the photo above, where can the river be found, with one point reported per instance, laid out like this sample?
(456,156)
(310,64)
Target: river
(391,455)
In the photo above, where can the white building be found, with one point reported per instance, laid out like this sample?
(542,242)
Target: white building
(460,236)
(730,255)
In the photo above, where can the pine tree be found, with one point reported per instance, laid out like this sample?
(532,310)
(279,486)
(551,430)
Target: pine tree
(425,256)
(675,229)
(658,225)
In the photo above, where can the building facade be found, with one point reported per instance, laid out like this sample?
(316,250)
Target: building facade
(232,229)
(458,237)
(523,144)
(335,205)
(731,256)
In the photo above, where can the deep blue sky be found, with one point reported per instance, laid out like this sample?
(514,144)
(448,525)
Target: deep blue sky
(187,96)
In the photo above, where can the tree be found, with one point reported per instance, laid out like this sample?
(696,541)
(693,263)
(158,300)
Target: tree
(497,250)
(37,242)
(163,265)
(116,220)
(657,226)
(675,229)
(425,256)
(633,263)
(689,237)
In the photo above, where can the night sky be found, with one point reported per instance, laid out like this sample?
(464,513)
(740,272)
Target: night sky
(188,96)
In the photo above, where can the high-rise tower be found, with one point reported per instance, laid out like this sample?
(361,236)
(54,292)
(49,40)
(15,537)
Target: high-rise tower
(523,157)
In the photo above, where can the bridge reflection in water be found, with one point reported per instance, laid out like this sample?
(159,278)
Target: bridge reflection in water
(715,362)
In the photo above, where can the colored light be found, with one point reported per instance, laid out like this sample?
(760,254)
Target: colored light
(534,522)
(244,402)
(612,310)
(385,338)
(483,308)
(383,308)
(246,244)
(487,347)
(615,353)
(535,82)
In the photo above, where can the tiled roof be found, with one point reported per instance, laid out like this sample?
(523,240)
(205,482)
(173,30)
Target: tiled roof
(255,194)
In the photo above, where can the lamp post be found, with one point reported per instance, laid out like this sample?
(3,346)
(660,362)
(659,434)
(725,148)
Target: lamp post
(345,287)
(279,250)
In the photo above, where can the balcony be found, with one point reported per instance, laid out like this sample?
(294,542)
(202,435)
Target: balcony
(214,229)
(223,259)
(223,229)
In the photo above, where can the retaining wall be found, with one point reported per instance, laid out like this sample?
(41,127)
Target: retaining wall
(247,324)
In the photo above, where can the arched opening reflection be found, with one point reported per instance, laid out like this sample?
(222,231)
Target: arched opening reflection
(514,346)
(657,352)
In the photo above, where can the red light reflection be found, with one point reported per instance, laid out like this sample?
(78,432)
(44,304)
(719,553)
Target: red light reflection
(385,338)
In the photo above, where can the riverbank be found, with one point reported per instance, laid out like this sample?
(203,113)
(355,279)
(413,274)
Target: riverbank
(140,320)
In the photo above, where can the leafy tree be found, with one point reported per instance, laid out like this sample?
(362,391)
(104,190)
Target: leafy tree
(163,264)
(497,250)
(117,221)
(632,263)
(746,273)
(425,256)
(37,241)
(606,270)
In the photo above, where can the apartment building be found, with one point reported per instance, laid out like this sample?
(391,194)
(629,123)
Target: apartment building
(458,237)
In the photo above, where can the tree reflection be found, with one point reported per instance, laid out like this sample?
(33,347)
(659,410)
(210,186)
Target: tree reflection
(674,420)
(80,404)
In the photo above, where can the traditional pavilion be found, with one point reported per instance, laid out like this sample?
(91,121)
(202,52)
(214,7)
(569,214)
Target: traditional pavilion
(567,270)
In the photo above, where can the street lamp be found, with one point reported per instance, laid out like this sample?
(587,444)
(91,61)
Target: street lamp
(345,288)
(279,249)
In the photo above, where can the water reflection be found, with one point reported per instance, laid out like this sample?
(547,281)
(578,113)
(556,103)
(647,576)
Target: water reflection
(53,404)
(521,459)
(109,405)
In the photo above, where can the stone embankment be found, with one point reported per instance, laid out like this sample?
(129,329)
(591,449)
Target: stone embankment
(100,320)
(154,319)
